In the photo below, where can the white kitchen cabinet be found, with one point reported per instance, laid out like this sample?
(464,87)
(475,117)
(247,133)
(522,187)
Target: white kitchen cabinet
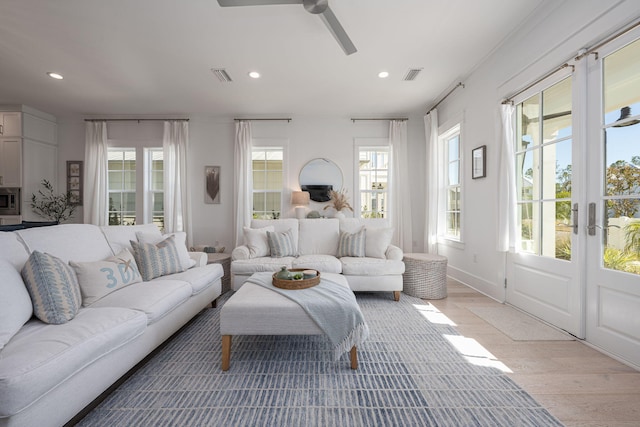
(10,162)
(10,123)
(37,158)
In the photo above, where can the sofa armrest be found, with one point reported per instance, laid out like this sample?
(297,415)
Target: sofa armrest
(199,257)
(241,252)
(394,253)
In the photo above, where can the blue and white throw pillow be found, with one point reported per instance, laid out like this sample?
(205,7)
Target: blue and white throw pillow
(281,243)
(157,260)
(98,279)
(352,244)
(53,287)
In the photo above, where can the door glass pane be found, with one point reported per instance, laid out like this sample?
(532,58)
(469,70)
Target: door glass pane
(556,167)
(527,170)
(529,226)
(528,121)
(622,236)
(556,229)
(622,160)
(622,84)
(556,110)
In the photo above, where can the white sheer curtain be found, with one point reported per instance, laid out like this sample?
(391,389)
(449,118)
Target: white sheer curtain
(177,199)
(400,186)
(241,186)
(95,174)
(507,204)
(431,225)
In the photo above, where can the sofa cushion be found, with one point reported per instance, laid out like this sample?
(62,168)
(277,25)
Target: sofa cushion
(77,242)
(257,241)
(156,299)
(319,236)
(155,260)
(257,265)
(100,278)
(378,234)
(281,244)
(351,244)
(371,266)
(199,278)
(280,225)
(13,250)
(322,263)
(119,236)
(15,303)
(180,242)
(53,287)
(41,356)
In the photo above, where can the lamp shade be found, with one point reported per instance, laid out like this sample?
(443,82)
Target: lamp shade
(299,198)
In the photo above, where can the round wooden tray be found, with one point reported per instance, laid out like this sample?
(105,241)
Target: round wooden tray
(296,284)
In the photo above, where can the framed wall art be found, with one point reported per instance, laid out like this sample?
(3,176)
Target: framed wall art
(212,184)
(479,162)
(74,180)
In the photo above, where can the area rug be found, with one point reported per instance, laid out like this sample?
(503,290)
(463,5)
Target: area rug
(517,325)
(412,372)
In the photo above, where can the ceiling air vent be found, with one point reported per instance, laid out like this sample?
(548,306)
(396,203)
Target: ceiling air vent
(222,75)
(411,74)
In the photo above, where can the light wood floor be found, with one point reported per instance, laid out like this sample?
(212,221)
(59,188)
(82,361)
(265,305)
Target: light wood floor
(577,384)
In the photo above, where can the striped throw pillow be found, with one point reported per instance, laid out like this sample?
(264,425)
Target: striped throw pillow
(53,287)
(352,244)
(157,260)
(281,243)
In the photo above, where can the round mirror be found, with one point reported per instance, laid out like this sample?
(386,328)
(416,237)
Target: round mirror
(318,177)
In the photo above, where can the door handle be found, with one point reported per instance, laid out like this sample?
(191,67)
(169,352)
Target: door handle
(591,225)
(575,218)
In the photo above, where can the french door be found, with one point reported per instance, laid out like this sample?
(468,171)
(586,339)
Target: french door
(613,196)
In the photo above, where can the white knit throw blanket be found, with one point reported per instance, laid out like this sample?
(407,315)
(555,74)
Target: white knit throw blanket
(332,306)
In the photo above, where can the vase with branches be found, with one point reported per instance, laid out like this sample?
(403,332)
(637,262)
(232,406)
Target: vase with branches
(54,207)
(338,200)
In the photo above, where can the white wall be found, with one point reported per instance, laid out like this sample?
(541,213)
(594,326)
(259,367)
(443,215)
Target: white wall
(211,144)
(555,34)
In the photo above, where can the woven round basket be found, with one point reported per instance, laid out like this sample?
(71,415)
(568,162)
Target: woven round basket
(296,284)
(425,276)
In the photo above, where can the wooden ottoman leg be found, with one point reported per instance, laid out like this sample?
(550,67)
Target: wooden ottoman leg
(396,295)
(226,352)
(354,357)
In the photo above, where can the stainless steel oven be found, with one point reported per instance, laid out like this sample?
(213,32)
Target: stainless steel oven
(9,201)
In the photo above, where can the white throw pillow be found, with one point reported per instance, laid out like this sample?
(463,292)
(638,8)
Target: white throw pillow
(15,303)
(98,279)
(257,242)
(377,241)
(181,245)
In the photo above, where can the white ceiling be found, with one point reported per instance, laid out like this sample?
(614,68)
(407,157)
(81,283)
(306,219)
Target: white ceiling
(155,56)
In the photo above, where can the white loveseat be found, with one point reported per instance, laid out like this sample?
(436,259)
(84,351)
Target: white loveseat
(50,372)
(316,244)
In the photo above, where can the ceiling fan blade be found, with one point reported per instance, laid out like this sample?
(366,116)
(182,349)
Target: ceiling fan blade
(227,3)
(338,32)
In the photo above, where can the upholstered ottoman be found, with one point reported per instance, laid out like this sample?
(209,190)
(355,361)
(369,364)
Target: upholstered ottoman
(255,310)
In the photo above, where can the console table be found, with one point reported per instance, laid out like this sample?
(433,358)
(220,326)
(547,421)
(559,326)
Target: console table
(225,260)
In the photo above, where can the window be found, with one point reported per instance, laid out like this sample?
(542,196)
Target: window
(267,167)
(136,194)
(373,181)
(452,188)
(543,171)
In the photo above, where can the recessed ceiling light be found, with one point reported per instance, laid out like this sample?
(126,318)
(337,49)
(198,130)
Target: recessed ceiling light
(254,75)
(383,74)
(53,75)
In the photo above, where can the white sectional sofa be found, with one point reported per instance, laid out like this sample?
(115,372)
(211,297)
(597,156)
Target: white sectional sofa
(316,244)
(50,372)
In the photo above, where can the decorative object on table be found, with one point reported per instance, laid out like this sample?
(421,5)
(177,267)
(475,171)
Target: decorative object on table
(212,184)
(283,274)
(425,275)
(300,199)
(479,162)
(339,201)
(54,207)
(313,214)
(74,180)
(297,279)
(209,249)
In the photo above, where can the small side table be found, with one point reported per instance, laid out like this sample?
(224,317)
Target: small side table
(425,276)
(225,260)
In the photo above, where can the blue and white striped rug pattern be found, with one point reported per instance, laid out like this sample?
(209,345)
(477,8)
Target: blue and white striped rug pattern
(409,374)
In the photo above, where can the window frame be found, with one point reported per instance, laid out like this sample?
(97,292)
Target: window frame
(371,144)
(272,144)
(446,133)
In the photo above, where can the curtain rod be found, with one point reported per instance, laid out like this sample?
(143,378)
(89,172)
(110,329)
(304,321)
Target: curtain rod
(605,41)
(288,119)
(460,84)
(509,100)
(135,120)
(400,119)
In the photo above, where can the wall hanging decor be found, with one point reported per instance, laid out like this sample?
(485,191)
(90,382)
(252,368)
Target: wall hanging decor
(479,162)
(74,181)
(212,184)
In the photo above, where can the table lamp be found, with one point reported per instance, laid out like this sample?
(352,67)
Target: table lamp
(300,199)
